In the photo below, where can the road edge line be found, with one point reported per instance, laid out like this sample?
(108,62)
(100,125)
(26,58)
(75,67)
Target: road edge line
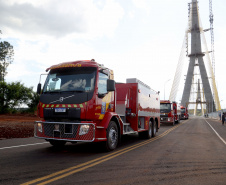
(17,146)
(216,133)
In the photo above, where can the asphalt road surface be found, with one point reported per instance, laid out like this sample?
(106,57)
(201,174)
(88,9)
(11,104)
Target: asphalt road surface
(192,152)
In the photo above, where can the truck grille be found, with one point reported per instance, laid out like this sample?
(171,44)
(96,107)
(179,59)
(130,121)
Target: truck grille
(65,131)
(163,118)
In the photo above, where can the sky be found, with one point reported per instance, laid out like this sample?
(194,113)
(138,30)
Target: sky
(135,38)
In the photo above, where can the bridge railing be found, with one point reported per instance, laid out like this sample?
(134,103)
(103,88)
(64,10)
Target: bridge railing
(216,115)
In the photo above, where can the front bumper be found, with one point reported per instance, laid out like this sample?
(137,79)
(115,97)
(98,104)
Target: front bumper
(166,120)
(183,117)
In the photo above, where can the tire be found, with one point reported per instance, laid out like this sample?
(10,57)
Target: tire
(154,130)
(112,137)
(57,143)
(147,134)
(150,130)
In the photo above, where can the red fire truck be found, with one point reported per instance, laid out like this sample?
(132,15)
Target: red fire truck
(169,112)
(80,102)
(184,112)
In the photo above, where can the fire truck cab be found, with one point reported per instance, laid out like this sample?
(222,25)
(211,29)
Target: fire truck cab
(170,112)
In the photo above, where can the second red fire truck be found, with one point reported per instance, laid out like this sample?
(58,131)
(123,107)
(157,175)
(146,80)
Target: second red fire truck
(80,102)
(170,112)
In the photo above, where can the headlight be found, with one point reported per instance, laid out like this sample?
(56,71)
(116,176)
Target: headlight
(168,119)
(39,127)
(84,129)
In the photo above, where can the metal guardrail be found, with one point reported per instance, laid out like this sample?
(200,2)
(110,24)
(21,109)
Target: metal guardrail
(217,114)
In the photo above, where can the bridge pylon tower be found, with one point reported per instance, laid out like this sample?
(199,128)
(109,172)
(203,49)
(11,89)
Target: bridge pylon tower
(193,49)
(197,55)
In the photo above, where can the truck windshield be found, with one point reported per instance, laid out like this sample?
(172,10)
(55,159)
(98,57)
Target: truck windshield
(165,107)
(78,79)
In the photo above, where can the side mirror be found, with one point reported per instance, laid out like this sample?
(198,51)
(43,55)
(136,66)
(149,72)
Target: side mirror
(110,85)
(39,88)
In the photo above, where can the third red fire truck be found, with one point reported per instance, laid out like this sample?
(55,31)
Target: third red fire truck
(184,112)
(169,112)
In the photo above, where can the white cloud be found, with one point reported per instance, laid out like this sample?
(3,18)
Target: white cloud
(36,20)
(60,18)
(143,4)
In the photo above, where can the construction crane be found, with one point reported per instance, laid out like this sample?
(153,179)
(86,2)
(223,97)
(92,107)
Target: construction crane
(215,92)
(212,35)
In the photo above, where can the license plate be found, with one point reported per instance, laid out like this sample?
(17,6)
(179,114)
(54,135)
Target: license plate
(60,109)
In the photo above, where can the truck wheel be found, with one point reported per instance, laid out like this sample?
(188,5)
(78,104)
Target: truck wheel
(112,136)
(147,134)
(57,143)
(150,130)
(154,130)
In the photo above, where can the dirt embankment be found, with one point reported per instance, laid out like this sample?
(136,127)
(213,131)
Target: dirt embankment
(17,126)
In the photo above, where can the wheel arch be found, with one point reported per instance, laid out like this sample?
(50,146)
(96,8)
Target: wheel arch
(151,119)
(117,121)
(110,116)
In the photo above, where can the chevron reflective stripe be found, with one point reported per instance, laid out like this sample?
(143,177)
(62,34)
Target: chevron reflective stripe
(82,105)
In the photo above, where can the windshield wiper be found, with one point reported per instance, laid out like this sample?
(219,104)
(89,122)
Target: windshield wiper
(80,91)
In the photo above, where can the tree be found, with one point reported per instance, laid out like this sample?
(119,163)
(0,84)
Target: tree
(3,106)
(33,101)
(14,95)
(6,58)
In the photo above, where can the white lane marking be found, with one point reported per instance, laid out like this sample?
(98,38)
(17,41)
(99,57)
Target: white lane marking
(22,145)
(217,133)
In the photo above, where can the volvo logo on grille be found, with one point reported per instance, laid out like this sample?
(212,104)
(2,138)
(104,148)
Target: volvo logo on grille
(61,99)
